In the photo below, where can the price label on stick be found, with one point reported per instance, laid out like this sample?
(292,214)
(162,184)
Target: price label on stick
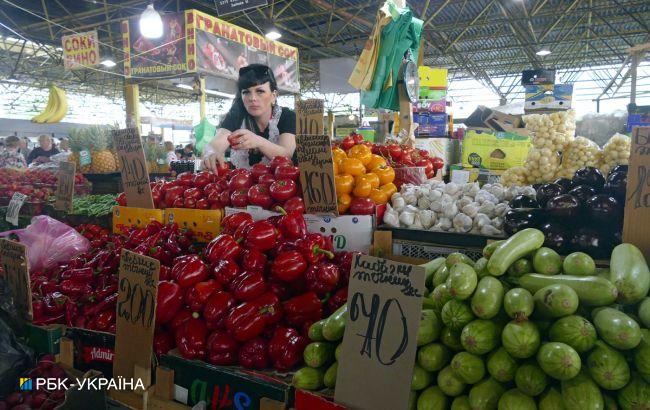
(316,174)
(136,316)
(13,210)
(14,262)
(380,341)
(65,186)
(637,201)
(135,176)
(84,158)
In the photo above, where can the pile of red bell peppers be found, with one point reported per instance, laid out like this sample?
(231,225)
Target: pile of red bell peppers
(265,185)
(252,294)
(82,292)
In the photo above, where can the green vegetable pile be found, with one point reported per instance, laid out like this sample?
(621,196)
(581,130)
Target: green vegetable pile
(94,205)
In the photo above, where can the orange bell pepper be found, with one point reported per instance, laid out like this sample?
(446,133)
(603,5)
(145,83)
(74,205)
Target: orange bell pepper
(362,187)
(375,161)
(344,184)
(389,189)
(353,166)
(373,178)
(343,203)
(362,153)
(385,173)
(338,155)
(378,196)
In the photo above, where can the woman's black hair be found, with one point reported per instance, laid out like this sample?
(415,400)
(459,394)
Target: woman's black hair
(250,76)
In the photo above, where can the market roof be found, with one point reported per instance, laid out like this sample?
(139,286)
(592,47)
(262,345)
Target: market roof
(482,39)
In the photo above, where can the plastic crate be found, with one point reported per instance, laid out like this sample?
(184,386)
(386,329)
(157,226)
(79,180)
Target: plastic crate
(423,251)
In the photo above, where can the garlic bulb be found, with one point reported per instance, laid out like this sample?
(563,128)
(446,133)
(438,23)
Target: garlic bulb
(514,176)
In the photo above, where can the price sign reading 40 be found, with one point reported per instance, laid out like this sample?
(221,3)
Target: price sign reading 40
(314,154)
(380,341)
(136,313)
(135,176)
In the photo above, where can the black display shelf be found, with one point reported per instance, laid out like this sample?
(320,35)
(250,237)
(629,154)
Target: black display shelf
(451,239)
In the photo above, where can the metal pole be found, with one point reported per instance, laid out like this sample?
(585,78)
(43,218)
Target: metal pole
(635,63)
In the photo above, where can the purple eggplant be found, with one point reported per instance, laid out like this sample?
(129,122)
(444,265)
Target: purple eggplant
(565,183)
(548,191)
(616,185)
(619,168)
(565,206)
(556,236)
(593,242)
(523,201)
(589,176)
(517,219)
(603,209)
(583,192)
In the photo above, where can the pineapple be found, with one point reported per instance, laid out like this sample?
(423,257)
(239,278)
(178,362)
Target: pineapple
(103,160)
(153,152)
(78,139)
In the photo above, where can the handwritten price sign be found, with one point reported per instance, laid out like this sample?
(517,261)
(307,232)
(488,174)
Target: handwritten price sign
(380,341)
(637,202)
(65,186)
(135,176)
(13,209)
(316,174)
(14,262)
(136,313)
(309,117)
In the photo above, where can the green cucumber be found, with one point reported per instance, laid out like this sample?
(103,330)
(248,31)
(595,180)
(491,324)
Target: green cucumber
(520,267)
(547,262)
(629,273)
(440,276)
(457,257)
(334,326)
(308,378)
(591,290)
(337,351)
(617,329)
(491,247)
(318,354)
(579,264)
(316,331)
(330,375)
(516,247)
(430,268)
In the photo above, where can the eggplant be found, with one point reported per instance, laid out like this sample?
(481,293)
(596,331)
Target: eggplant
(589,176)
(603,209)
(548,191)
(556,237)
(517,219)
(593,242)
(565,183)
(619,168)
(616,185)
(523,201)
(565,207)
(583,192)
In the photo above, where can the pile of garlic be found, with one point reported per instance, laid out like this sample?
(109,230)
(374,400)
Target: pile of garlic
(579,153)
(462,208)
(616,151)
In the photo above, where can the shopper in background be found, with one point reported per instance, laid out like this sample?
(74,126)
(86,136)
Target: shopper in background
(187,152)
(44,151)
(11,156)
(64,145)
(256,128)
(171,153)
(24,147)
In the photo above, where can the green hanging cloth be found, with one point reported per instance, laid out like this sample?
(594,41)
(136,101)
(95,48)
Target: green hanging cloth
(401,34)
(203,133)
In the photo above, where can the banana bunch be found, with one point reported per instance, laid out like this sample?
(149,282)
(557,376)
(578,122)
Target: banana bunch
(56,109)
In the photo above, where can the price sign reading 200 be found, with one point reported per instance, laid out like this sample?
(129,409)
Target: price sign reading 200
(378,314)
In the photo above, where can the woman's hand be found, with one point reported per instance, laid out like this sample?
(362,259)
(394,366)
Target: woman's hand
(212,161)
(245,139)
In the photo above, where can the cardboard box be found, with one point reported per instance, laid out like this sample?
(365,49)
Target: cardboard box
(93,350)
(435,78)
(463,175)
(637,120)
(503,122)
(205,224)
(126,216)
(43,339)
(430,124)
(196,381)
(493,150)
(535,77)
(309,400)
(558,96)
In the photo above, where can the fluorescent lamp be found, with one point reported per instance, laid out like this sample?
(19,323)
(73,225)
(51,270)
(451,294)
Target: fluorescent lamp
(351,117)
(185,86)
(273,34)
(108,63)
(151,25)
(543,52)
(220,94)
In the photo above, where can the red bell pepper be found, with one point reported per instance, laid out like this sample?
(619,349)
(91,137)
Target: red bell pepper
(218,305)
(75,289)
(288,266)
(279,289)
(201,179)
(230,223)
(38,309)
(295,204)
(172,194)
(262,236)
(225,270)
(322,278)
(223,246)
(179,319)
(254,354)
(121,199)
(248,286)
(292,225)
(338,299)
(168,301)
(71,312)
(249,319)
(191,338)
(302,308)
(165,273)
(105,319)
(159,253)
(254,260)
(185,178)
(344,261)
(163,342)
(189,270)
(222,349)
(106,301)
(197,295)
(286,348)
(314,248)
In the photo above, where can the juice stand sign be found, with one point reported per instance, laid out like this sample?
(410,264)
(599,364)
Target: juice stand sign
(80,50)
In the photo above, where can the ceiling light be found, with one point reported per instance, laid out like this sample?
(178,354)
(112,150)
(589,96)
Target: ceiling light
(11,80)
(220,94)
(108,63)
(543,52)
(151,25)
(273,34)
(351,117)
(185,86)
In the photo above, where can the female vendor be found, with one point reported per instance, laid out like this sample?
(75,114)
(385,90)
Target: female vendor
(256,128)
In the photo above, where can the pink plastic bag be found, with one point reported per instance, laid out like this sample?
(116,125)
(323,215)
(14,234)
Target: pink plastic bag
(49,242)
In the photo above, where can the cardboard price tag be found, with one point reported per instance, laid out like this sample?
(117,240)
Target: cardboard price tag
(65,186)
(317,174)
(309,117)
(136,316)
(13,258)
(135,176)
(13,209)
(637,201)
(380,341)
